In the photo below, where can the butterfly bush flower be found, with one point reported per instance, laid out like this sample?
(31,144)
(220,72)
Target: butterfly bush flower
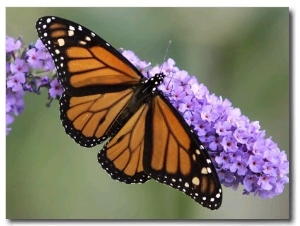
(23,66)
(238,147)
(56,89)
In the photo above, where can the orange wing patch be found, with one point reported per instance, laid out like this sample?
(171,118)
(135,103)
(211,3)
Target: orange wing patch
(124,152)
(171,142)
(88,112)
(98,66)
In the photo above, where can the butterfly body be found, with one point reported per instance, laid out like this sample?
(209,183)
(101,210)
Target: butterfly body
(107,99)
(143,94)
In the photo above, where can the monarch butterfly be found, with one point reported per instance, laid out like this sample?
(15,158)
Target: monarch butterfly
(106,97)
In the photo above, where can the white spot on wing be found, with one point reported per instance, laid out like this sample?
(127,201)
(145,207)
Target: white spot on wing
(204,170)
(61,42)
(194,157)
(208,169)
(196,181)
(70,32)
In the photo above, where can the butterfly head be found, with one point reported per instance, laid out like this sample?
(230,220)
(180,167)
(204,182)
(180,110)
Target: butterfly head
(155,81)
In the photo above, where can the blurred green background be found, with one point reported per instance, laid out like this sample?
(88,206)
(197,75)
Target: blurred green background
(239,53)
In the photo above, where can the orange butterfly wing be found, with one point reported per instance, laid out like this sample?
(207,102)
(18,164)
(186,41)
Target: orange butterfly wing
(89,119)
(97,79)
(123,156)
(174,155)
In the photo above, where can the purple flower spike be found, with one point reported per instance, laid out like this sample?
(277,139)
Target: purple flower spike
(239,149)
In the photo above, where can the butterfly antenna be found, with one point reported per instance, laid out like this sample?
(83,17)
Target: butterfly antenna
(168,47)
(165,60)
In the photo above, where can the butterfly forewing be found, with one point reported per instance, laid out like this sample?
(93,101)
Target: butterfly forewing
(86,64)
(175,156)
(89,119)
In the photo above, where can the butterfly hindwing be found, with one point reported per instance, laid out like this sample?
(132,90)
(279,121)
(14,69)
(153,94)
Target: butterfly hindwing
(175,156)
(90,119)
(122,157)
